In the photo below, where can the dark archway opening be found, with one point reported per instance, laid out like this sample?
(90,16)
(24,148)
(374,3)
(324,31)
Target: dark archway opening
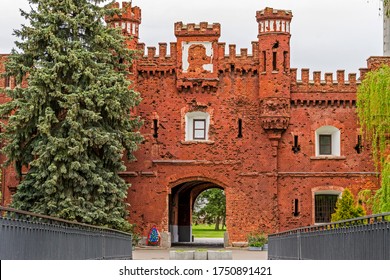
(181,204)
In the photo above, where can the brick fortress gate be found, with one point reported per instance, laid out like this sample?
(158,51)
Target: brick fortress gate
(282,149)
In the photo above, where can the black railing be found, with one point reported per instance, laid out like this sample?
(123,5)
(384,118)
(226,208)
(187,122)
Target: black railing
(29,236)
(365,238)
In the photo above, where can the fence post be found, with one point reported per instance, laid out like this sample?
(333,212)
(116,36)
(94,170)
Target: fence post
(299,245)
(103,245)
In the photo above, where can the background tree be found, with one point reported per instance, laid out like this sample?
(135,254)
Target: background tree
(210,206)
(73,122)
(346,208)
(386,27)
(386,6)
(373,107)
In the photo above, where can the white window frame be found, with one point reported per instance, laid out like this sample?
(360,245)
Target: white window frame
(189,120)
(336,143)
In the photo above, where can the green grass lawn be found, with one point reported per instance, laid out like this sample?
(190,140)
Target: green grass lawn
(207,231)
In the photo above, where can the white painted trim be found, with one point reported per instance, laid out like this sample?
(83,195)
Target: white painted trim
(190,128)
(336,140)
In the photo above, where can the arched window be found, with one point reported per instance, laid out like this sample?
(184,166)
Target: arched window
(327,141)
(197,126)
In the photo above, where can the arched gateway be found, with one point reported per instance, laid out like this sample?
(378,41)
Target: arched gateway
(181,203)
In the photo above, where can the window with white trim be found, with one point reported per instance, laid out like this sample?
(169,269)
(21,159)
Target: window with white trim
(327,141)
(197,126)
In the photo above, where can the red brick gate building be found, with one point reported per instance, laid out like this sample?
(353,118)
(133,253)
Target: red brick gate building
(282,148)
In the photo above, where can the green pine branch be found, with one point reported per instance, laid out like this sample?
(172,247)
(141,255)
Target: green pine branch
(72,126)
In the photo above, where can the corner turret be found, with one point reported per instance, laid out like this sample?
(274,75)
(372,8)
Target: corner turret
(129,20)
(274,68)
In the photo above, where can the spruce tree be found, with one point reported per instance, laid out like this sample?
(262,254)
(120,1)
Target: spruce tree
(72,124)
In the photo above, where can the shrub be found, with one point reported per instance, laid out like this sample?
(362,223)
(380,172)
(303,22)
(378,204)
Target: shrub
(346,208)
(257,239)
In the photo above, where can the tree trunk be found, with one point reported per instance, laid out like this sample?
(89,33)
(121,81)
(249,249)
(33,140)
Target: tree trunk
(223,221)
(217,220)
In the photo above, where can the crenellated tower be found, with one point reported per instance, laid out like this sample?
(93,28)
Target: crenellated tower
(129,20)
(274,54)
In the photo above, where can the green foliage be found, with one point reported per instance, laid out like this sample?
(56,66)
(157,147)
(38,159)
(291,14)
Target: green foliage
(210,206)
(346,208)
(384,192)
(73,122)
(386,6)
(206,231)
(373,107)
(257,239)
(369,199)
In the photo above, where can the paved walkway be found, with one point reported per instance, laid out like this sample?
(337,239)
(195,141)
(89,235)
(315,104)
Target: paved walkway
(156,253)
(163,254)
(201,243)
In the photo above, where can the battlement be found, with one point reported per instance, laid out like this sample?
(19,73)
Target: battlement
(150,52)
(326,91)
(239,62)
(271,13)
(165,57)
(201,29)
(273,20)
(327,84)
(374,62)
(233,54)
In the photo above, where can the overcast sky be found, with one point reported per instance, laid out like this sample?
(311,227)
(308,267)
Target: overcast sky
(327,35)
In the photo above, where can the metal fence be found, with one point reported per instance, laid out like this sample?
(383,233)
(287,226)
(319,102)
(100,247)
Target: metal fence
(28,236)
(365,238)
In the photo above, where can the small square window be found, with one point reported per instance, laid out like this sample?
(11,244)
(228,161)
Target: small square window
(199,129)
(325,144)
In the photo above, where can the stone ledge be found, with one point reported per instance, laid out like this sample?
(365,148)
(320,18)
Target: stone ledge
(148,174)
(328,158)
(197,142)
(240,244)
(327,174)
(195,162)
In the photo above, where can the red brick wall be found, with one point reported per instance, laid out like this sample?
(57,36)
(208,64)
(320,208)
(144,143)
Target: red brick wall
(259,172)
(260,181)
